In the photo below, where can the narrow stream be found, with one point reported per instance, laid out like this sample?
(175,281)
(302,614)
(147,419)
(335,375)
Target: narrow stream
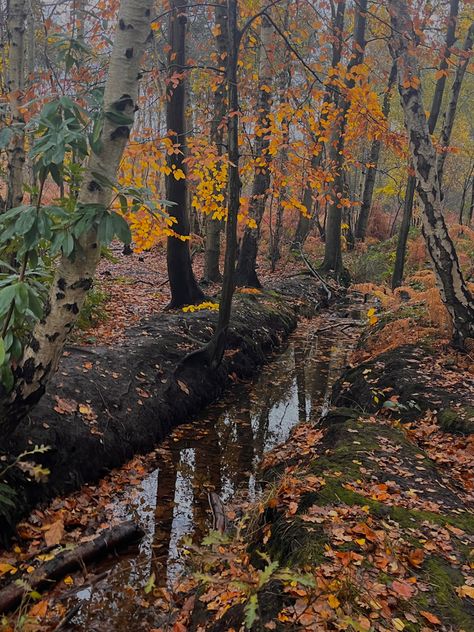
(219,451)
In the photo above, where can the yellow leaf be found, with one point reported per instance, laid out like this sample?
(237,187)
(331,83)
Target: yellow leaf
(333,601)
(179,174)
(7,568)
(68,580)
(371,312)
(465,591)
(398,624)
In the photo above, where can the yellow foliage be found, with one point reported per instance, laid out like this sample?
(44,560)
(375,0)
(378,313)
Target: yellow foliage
(205,305)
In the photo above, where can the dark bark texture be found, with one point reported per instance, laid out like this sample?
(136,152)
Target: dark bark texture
(246,273)
(184,288)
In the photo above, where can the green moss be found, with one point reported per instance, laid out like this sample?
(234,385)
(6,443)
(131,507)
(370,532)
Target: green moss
(442,580)
(294,542)
(457,420)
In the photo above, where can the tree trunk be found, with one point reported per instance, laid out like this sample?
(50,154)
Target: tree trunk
(285,82)
(332,253)
(15,85)
(397,278)
(183,285)
(464,193)
(443,66)
(373,160)
(305,221)
(455,294)
(471,205)
(73,278)
(217,346)
(450,113)
(213,226)
(399,265)
(246,273)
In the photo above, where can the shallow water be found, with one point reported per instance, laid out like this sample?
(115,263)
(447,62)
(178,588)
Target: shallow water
(220,451)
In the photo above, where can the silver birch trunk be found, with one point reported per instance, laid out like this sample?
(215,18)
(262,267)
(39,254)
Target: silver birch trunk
(73,278)
(15,85)
(454,291)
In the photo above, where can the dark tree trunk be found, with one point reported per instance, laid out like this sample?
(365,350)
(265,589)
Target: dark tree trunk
(371,174)
(399,266)
(397,278)
(464,193)
(454,291)
(183,285)
(285,82)
(443,66)
(217,346)
(471,206)
(213,226)
(332,253)
(305,221)
(450,114)
(246,273)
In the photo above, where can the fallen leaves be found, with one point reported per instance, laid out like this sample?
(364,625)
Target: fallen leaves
(54,533)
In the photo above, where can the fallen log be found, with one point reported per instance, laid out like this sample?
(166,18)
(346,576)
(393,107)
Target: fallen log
(66,562)
(106,404)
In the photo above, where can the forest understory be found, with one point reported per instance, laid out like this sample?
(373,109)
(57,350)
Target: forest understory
(365,516)
(236,315)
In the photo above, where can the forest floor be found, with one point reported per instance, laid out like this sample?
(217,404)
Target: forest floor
(367,518)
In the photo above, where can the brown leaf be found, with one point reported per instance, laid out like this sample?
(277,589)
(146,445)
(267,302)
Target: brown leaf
(55,533)
(403,589)
(65,406)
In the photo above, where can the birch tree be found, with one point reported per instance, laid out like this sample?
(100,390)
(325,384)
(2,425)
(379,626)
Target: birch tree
(454,291)
(75,273)
(16,17)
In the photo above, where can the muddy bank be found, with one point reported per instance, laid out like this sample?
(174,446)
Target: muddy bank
(360,528)
(410,380)
(106,404)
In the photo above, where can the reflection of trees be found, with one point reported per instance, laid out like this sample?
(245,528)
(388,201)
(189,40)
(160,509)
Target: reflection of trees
(300,362)
(317,374)
(164,511)
(207,478)
(245,449)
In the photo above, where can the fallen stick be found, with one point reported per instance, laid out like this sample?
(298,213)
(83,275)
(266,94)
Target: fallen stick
(68,561)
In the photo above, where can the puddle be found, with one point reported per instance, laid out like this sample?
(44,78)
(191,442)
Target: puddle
(220,451)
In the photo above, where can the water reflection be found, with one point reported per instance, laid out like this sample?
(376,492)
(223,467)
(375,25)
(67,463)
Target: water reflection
(219,452)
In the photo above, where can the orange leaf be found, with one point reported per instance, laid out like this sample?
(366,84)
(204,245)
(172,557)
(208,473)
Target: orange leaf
(432,618)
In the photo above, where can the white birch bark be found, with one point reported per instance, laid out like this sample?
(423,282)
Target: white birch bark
(73,278)
(15,85)
(455,294)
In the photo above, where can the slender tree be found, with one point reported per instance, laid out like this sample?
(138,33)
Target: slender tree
(74,275)
(450,114)
(246,273)
(455,294)
(373,160)
(183,285)
(217,346)
(332,252)
(17,11)
(213,226)
(305,221)
(399,266)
